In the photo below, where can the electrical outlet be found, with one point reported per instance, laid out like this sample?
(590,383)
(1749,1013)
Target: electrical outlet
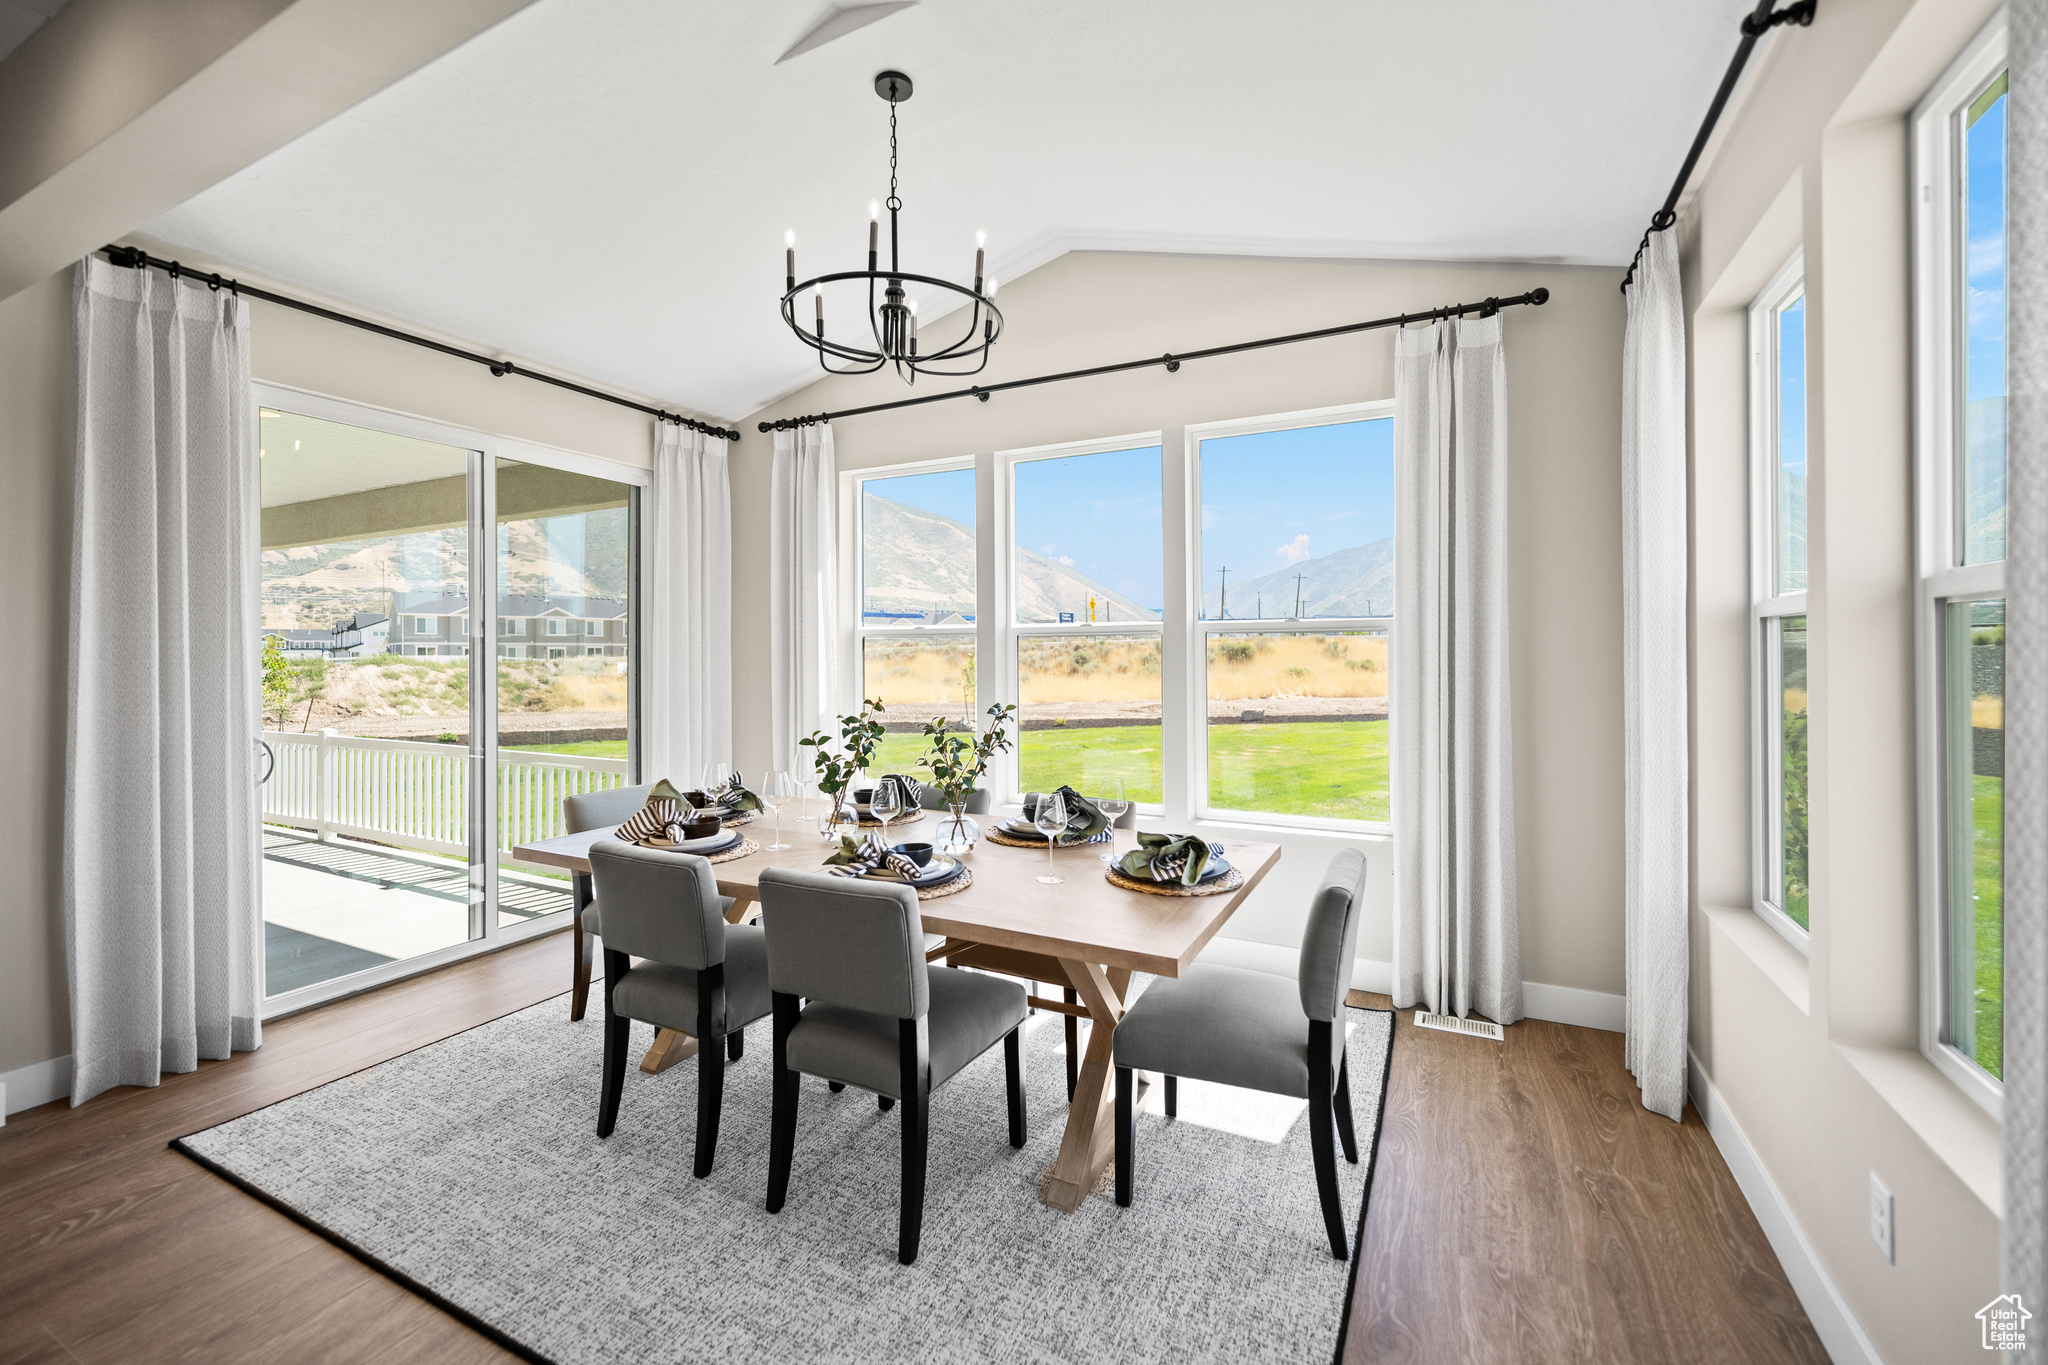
(1882,1230)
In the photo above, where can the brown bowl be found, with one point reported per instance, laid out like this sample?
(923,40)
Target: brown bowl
(703,827)
(697,799)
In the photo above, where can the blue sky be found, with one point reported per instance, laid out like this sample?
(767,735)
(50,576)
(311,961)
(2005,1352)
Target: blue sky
(1275,498)
(950,493)
(1985,265)
(1098,514)
(1792,388)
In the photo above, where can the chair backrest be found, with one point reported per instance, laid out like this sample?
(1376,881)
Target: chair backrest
(853,943)
(598,809)
(1329,943)
(658,904)
(931,798)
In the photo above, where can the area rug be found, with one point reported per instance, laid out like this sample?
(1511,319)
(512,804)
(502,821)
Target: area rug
(470,1171)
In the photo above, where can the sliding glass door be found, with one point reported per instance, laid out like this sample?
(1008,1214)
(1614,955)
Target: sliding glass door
(447,656)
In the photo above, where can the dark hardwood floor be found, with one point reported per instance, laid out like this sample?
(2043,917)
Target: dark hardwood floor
(1525,1208)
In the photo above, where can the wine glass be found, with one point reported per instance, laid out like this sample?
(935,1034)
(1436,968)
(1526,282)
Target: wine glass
(780,788)
(887,804)
(716,774)
(1113,803)
(1050,819)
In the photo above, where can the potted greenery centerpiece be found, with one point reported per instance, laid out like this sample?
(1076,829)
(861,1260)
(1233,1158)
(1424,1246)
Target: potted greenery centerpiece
(956,764)
(858,737)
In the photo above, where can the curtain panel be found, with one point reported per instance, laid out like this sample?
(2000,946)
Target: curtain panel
(803,593)
(686,715)
(1656,866)
(162,870)
(1457,934)
(2024,1132)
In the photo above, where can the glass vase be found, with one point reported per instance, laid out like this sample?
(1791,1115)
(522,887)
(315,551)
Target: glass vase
(840,820)
(956,833)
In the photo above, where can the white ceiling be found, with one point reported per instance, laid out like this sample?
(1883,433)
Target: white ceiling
(603,185)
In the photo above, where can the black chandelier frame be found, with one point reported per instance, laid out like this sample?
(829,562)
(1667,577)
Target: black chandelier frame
(892,322)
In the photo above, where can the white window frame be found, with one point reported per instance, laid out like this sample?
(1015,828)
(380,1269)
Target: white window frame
(1940,576)
(1201,631)
(485,451)
(999,641)
(557,626)
(593,627)
(855,632)
(1767,605)
(422,625)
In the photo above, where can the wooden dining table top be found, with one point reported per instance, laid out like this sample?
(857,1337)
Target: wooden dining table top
(1084,917)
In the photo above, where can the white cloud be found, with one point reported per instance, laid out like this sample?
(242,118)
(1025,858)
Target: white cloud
(1295,550)
(1048,549)
(1067,560)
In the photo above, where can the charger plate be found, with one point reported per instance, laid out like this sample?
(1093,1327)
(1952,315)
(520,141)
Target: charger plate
(1229,881)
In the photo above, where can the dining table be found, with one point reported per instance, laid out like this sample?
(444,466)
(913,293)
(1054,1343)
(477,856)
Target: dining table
(1082,932)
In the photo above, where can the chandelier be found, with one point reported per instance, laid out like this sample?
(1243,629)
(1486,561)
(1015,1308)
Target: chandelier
(892,322)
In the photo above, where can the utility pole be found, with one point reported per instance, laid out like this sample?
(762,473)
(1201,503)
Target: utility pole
(1223,594)
(1297,595)
(1259,605)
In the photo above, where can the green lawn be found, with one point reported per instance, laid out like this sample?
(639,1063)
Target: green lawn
(1988,811)
(589,748)
(1336,768)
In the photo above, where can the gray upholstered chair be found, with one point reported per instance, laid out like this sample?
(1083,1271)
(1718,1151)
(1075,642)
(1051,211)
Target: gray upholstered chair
(1261,1032)
(700,974)
(597,810)
(856,1003)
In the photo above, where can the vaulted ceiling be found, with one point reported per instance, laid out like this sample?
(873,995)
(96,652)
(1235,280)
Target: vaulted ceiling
(603,185)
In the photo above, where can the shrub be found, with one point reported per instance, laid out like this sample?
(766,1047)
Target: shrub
(1239,651)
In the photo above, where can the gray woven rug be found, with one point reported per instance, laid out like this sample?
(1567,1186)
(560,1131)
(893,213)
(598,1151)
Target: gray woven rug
(471,1170)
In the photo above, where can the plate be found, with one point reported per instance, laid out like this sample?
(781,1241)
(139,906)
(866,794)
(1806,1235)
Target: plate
(939,869)
(1216,868)
(714,843)
(1023,829)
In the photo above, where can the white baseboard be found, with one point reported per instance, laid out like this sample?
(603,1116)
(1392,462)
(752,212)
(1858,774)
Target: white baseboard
(1558,1004)
(25,1087)
(1844,1337)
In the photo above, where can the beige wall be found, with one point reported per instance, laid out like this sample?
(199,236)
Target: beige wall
(1816,1056)
(1564,538)
(37,396)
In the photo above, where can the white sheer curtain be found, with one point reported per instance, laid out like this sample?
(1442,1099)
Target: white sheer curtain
(1457,933)
(162,878)
(1655,832)
(686,714)
(803,601)
(2025,1127)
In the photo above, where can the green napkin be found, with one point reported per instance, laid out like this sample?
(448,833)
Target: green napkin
(1169,858)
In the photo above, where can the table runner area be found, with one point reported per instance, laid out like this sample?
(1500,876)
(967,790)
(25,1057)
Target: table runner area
(470,1169)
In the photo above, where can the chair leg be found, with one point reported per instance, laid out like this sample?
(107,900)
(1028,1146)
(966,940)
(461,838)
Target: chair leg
(710,1098)
(1125,1136)
(885,1102)
(1173,1097)
(914,1057)
(782,1121)
(1345,1132)
(1013,1071)
(581,944)
(735,1045)
(1321,1139)
(1073,1046)
(618,1038)
(835,1086)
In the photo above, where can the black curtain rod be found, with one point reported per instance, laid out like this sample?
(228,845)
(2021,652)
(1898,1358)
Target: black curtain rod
(136,258)
(1754,25)
(1486,309)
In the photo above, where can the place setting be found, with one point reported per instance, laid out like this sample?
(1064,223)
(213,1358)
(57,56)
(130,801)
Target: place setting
(698,821)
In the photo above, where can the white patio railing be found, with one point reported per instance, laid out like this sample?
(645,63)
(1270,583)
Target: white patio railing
(417,794)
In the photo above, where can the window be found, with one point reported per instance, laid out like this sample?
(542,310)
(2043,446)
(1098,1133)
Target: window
(557,652)
(462,627)
(511,627)
(1297,602)
(1960,457)
(593,627)
(1778,624)
(1086,580)
(422,625)
(557,626)
(916,582)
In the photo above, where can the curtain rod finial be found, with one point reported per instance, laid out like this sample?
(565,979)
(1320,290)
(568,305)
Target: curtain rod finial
(1539,296)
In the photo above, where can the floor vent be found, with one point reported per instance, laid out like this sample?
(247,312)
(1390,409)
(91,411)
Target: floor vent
(1447,1023)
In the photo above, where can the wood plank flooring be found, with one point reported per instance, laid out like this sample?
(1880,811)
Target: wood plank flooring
(1525,1208)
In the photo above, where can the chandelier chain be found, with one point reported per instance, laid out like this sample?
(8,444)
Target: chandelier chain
(894,202)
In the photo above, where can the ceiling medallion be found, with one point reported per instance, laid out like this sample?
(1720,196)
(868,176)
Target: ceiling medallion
(893,321)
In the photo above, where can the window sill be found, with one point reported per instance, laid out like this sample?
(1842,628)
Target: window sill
(1778,960)
(1954,1127)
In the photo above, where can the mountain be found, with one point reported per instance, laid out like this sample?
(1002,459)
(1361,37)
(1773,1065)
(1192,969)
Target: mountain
(1354,582)
(919,561)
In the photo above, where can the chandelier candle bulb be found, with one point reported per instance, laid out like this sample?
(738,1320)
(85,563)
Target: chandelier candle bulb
(789,256)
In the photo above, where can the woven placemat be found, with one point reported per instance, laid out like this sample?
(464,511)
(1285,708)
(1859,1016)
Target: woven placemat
(745,817)
(959,883)
(997,836)
(745,847)
(1229,881)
